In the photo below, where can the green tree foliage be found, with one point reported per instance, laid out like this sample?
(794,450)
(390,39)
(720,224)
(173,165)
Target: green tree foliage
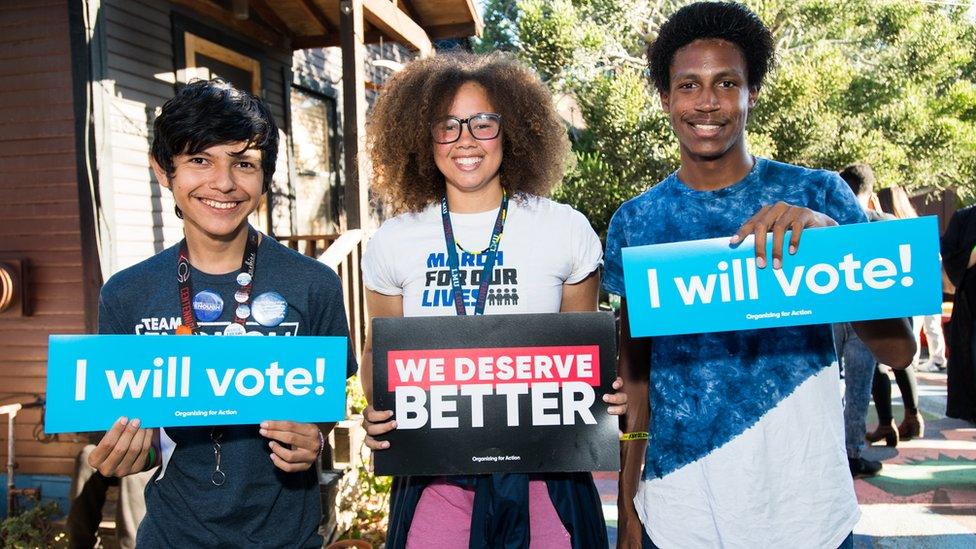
(33,528)
(888,82)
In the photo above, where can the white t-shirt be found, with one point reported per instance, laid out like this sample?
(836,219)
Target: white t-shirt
(784,482)
(544,245)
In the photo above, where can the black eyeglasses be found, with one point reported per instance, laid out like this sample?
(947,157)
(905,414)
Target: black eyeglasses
(482,126)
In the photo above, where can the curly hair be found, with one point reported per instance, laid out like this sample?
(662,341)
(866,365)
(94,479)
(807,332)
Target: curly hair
(729,21)
(535,150)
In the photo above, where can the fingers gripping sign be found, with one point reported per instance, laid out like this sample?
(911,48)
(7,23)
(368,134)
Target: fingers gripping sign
(125,449)
(777,219)
(617,399)
(376,423)
(294,446)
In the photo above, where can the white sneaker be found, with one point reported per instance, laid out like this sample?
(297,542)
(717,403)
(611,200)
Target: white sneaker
(933,366)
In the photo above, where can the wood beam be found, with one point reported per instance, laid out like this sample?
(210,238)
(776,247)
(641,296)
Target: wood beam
(397,25)
(315,13)
(371,36)
(356,193)
(407,7)
(225,17)
(265,11)
(479,25)
(454,30)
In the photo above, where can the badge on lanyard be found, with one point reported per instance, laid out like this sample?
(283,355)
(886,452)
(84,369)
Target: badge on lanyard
(243,311)
(235,329)
(269,309)
(207,305)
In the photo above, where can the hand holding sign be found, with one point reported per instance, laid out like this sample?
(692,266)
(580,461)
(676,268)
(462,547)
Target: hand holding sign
(779,218)
(294,446)
(617,399)
(123,450)
(378,422)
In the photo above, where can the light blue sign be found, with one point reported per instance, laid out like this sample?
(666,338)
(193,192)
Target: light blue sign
(175,381)
(885,269)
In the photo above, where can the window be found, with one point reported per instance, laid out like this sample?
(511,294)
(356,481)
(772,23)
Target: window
(206,59)
(313,121)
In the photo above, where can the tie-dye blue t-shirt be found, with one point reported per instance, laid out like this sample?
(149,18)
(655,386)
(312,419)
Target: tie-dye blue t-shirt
(707,389)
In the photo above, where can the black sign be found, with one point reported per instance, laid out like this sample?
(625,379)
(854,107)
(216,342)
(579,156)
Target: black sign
(496,393)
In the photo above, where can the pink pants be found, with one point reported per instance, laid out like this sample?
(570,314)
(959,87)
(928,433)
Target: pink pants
(442,519)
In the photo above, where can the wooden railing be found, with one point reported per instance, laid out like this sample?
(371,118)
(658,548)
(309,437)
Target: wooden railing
(341,252)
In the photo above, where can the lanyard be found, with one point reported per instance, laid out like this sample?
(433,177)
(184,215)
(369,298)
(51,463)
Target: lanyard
(491,251)
(242,296)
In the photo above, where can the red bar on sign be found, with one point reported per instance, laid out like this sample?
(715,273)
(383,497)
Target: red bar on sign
(423,368)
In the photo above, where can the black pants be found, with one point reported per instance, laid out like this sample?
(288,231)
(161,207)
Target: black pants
(881,391)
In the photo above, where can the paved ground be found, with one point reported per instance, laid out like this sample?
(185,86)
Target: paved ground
(925,497)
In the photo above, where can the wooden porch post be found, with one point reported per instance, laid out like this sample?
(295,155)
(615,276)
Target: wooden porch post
(356,195)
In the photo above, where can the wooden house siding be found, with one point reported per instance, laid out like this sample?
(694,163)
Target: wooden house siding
(39,212)
(133,62)
(136,45)
(65,73)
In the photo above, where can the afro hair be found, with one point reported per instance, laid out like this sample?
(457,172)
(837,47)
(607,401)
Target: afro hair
(729,21)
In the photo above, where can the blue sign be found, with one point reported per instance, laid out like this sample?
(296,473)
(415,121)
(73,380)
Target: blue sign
(168,381)
(867,271)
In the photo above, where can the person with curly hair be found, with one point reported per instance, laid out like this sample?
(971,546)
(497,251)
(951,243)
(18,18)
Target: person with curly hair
(473,143)
(745,434)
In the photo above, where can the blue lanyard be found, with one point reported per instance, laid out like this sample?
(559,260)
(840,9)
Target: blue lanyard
(454,264)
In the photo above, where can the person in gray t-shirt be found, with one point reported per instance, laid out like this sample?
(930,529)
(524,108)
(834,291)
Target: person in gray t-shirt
(215,149)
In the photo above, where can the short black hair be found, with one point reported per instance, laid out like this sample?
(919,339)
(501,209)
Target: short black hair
(729,21)
(860,177)
(205,113)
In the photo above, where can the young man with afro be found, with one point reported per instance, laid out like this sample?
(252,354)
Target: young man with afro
(746,439)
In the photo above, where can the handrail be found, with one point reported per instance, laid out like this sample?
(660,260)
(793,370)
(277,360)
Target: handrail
(341,248)
(341,253)
(11,410)
(313,244)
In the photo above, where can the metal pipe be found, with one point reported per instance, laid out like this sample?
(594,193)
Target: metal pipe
(11,411)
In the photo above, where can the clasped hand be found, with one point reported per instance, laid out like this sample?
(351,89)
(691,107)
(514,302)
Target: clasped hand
(294,446)
(779,218)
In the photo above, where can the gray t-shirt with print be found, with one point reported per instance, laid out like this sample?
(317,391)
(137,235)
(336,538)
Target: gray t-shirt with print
(259,505)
